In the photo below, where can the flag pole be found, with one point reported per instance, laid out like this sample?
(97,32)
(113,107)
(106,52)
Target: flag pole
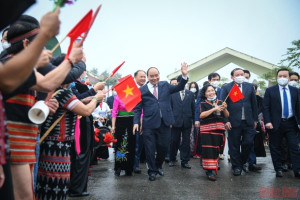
(93,19)
(57,45)
(228,93)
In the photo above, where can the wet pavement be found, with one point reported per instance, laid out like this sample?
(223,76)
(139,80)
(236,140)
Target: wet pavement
(181,183)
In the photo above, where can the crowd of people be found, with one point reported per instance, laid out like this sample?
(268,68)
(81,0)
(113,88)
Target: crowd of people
(178,116)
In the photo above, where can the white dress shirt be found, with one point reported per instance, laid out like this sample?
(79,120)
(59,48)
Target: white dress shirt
(288,94)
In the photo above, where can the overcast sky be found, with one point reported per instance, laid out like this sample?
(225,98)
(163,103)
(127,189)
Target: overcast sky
(164,33)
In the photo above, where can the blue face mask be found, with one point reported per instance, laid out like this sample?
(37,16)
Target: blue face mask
(213,99)
(71,85)
(83,79)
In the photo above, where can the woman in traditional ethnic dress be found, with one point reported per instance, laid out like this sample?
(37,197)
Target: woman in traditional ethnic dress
(22,132)
(122,126)
(54,162)
(212,113)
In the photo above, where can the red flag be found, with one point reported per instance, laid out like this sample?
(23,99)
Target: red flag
(81,27)
(116,69)
(235,94)
(128,93)
(123,78)
(91,24)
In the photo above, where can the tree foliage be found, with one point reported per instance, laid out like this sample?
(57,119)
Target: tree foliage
(111,81)
(292,57)
(94,71)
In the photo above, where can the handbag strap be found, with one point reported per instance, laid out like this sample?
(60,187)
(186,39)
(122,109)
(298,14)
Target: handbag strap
(54,124)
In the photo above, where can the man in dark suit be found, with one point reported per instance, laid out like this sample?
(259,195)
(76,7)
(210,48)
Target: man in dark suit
(242,121)
(140,79)
(110,99)
(282,118)
(183,105)
(157,117)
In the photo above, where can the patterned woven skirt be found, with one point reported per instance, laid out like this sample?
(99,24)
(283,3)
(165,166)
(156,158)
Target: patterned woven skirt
(22,141)
(211,141)
(54,170)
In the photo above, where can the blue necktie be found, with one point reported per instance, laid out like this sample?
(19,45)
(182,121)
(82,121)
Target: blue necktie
(285,104)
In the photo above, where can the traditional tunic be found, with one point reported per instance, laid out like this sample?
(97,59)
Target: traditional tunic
(125,145)
(3,135)
(54,162)
(212,132)
(22,132)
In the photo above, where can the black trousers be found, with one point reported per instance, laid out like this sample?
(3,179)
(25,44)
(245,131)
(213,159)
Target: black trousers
(285,151)
(80,163)
(159,140)
(6,191)
(184,147)
(291,131)
(240,137)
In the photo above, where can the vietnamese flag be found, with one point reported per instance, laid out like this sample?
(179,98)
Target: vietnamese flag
(235,93)
(81,27)
(123,78)
(128,93)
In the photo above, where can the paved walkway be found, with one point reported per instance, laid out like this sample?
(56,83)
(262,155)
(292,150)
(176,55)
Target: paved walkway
(179,183)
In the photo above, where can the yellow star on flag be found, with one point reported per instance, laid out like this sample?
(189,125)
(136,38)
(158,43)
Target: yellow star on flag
(128,91)
(235,93)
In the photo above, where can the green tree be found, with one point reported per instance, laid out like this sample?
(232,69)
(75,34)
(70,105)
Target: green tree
(292,57)
(223,80)
(94,71)
(262,85)
(111,81)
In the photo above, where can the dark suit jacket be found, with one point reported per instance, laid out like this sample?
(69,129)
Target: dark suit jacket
(197,106)
(184,111)
(272,109)
(156,109)
(110,101)
(235,109)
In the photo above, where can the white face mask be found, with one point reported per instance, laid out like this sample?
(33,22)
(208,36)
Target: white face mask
(239,79)
(213,99)
(5,45)
(282,81)
(114,93)
(193,90)
(293,83)
(215,84)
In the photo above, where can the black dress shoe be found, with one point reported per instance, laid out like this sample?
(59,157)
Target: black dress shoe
(285,167)
(186,165)
(137,171)
(118,172)
(171,164)
(161,172)
(254,168)
(128,173)
(84,194)
(245,168)
(167,160)
(279,173)
(236,172)
(152,177)
(297,175)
